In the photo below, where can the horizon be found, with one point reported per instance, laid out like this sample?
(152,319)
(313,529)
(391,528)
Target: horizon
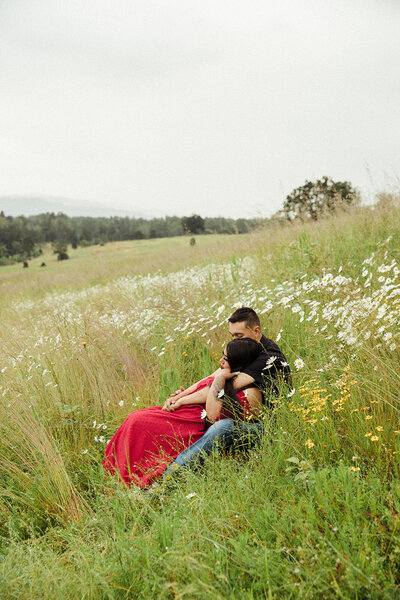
(197,107)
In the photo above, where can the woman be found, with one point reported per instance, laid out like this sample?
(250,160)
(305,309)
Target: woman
(151,438)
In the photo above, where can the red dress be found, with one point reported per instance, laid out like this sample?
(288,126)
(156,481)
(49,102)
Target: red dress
(150,439)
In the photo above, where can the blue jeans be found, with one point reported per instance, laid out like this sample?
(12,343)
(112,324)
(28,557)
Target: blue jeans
(220,435)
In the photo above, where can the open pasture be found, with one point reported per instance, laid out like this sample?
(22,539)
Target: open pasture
(91,265)
(314,512)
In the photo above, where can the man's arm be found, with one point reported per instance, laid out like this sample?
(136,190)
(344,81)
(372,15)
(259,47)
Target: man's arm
(241,381)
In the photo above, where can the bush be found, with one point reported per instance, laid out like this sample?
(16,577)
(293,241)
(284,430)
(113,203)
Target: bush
(319,198)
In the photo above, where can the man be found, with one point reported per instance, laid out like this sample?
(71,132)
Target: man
(264,372)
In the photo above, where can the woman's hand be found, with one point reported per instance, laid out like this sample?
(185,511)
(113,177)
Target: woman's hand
(228,374)
(170,404)
(173,399)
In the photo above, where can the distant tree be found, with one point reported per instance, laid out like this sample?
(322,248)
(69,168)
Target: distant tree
(319,198)
(193,224)
(60,248)
(242,226)
(74,240)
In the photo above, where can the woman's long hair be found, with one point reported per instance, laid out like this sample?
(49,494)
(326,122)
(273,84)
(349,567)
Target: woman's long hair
(240,353)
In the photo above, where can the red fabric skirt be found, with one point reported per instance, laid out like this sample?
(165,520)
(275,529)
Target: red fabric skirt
(151,438)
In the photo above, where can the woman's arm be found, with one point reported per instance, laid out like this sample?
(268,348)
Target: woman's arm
(199,397)
(171,401)
(214,404)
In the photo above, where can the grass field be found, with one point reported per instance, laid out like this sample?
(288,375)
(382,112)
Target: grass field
(313,513)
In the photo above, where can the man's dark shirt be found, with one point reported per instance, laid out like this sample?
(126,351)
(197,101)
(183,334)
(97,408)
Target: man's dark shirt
(269,366)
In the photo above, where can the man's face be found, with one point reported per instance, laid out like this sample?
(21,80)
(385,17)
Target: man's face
(241,330)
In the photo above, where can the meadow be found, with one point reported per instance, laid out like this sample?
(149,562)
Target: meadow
(314,512)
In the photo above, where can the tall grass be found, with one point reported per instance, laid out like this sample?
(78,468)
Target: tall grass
(313,512)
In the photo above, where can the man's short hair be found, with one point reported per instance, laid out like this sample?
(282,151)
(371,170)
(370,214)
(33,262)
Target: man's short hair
(248,315)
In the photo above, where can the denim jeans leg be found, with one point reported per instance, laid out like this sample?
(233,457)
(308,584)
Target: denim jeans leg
(219,435)
(247,435)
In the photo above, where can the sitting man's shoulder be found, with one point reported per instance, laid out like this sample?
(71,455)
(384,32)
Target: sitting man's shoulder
(270,347)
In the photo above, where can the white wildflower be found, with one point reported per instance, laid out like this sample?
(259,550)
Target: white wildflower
(299,363)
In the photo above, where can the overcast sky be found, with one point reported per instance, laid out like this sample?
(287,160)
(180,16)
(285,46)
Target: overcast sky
(219,107)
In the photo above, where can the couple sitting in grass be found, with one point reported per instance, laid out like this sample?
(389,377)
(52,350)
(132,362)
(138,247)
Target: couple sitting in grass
(155,442)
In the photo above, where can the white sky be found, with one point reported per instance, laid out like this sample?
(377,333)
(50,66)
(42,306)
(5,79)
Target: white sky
(219,107)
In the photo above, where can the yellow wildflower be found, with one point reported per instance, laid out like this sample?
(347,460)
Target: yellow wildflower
(374,438)
(309,444)
(379,428)
(354,468)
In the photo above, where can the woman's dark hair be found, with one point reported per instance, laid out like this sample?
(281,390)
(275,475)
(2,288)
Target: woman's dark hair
(240,353)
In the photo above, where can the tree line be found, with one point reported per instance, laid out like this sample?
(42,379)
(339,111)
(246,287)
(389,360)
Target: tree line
(21,237)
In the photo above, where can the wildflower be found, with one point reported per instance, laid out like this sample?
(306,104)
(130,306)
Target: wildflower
(354,468)
(368,434)
(379,428)
(309,444)
(368,417)
(191,495)
(392,346)
(299,364)
(388,336)
(121,403)
(84,344)
(290,394)
(270,361)
(374,438)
